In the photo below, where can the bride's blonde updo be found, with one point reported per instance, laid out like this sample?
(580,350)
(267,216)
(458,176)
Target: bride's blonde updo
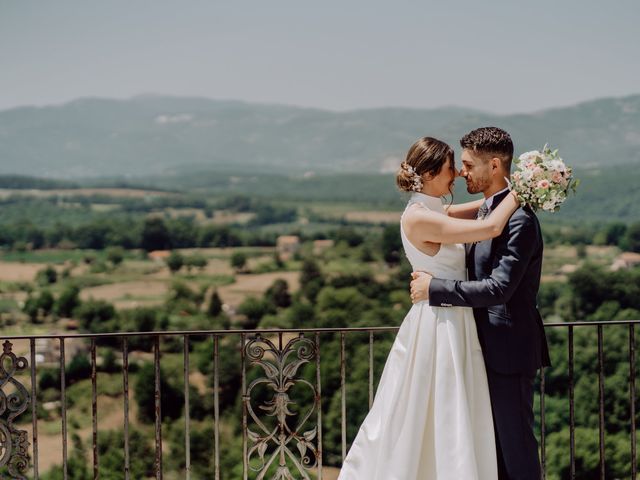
(428,155)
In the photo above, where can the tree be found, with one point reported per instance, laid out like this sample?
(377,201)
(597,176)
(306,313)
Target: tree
(68,301)
(142,457)
(115,255)
(78,369)
(141,319)
(49,378)
(218,236)
(175,261)
(109,363)
(92,235)
(155,235)
(349,235)
(311,279)
(238,260)
(391,244)
(47,276)
(181,297)
(215,304)
(632,238)
(196,260)
(366,255)
(278,294)
(254,309)
(201,449)
(45,302)
(183,232)
(171,398)
(94,314)
(31,308)
(229,367)
(612,234)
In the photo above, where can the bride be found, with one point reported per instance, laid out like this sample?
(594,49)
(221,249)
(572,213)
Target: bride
(431,416)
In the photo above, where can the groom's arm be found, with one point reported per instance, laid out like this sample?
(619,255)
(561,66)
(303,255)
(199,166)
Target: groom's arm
(512,261)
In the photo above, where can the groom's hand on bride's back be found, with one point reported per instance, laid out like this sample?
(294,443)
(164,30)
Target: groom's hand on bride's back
(420,286)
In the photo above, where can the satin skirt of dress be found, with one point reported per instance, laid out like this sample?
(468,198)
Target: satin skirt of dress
(431,415)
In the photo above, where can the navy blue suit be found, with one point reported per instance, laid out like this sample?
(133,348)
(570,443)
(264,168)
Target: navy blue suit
(504,276)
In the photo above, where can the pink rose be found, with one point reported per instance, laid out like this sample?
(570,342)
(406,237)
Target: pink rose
(543,184)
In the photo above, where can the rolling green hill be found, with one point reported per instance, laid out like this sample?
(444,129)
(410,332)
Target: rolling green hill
(153,135)
(606,194)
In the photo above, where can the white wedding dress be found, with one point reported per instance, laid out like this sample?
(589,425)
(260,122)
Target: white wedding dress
(431,416)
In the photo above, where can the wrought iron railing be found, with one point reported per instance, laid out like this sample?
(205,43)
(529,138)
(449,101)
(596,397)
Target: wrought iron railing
(274,439)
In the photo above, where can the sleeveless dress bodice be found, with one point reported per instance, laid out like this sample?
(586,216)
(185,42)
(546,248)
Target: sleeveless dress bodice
(449,262)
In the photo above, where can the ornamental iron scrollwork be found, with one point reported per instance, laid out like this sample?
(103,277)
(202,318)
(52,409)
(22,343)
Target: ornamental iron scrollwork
(14,443)
(271,439)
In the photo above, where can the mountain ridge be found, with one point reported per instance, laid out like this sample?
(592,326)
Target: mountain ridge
(156,134)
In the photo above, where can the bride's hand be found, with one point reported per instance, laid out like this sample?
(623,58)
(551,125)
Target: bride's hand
(515,197)
(420,286)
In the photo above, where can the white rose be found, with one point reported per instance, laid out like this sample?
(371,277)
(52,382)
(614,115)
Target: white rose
(557,165)
(529,156)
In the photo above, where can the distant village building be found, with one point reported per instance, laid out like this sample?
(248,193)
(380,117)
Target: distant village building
(320,246)
(626,260)
(287,246)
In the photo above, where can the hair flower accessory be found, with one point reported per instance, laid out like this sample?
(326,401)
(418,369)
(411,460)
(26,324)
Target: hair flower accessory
(416,179)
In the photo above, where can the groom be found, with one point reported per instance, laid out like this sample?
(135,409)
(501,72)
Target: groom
(504,276)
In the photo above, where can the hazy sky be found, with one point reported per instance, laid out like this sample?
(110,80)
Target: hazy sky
(500,56)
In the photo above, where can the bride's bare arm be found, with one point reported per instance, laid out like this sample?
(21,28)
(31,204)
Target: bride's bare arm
(429,226)
(467,210)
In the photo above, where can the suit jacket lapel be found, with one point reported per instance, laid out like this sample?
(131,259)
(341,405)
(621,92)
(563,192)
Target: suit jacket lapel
(497,199)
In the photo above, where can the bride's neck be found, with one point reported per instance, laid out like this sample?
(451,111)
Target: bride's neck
(429,191)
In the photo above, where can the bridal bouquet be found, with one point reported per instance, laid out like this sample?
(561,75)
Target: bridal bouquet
(542,180)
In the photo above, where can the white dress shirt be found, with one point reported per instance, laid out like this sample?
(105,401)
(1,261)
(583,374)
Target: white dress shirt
(489,201)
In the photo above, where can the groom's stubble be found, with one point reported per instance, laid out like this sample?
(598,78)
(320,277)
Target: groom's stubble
(477,172)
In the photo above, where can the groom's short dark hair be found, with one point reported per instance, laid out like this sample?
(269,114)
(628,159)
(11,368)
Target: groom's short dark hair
(490,142)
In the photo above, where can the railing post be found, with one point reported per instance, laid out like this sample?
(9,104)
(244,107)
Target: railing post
(632,399)
(543,453)
(343,390)
(216,411)
(601,402)
(370,369)
(125,391)
(94,409)
(572,414)
(187,436)
(34,407)
(245,463)
(319,405)
(158,406)
(63,408)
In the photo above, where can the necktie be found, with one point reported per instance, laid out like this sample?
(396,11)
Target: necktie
(483,211)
